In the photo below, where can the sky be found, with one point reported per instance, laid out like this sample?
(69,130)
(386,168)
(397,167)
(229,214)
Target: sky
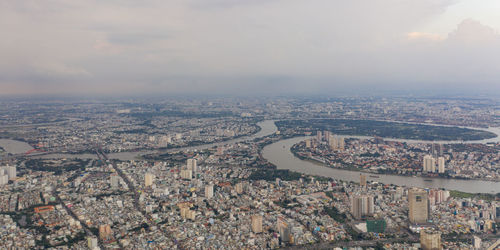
(127,47)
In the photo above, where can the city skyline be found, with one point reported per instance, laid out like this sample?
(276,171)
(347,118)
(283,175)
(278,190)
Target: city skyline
(271,173)
(250,124)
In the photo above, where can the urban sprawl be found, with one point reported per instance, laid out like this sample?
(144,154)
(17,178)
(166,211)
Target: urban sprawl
(189,173)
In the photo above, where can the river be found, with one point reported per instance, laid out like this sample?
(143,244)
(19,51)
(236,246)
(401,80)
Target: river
(14,146)
(267,128)
(280,155)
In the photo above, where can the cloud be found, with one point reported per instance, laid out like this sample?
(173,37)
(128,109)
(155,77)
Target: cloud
(425,36)
(471,31)
(230,46)
(60,70)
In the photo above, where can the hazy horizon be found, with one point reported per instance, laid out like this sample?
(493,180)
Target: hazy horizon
(230,47)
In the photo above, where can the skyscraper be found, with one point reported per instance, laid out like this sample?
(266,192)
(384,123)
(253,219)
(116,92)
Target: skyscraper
(92,243)
(430,240)
(362,180)
(429,164)
(186,174)
(326,135)
(362,206)
(105,232)
(319,136)
(184,211)
(284,229)
(257,223)
(192,164)
(148,179)
(209,191)
(239,188)
(341,143)
(332,142)
(191,214)
(9,171)
(476,242)
(418,205)
(115,181)
(4,177)
(441,166)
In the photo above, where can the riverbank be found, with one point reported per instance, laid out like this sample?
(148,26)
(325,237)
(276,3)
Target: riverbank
(279,154)
(481,196)
(170,148)
(400,130)
(295,153)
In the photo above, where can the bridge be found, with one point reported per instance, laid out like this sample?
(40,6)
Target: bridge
(495,245)
(34,150)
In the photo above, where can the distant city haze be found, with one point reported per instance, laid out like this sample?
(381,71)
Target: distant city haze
(244,47)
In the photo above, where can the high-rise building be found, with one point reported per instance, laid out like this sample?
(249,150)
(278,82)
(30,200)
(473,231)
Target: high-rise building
(191,214)
(92,243)
(336,143)
(341,143)
(10,171)
(308,143)
(148,179)
(362,180)
(362,206)
(438,196)
(488,225)
(326,135)
(209,191)
(332,142)
(418,205)
(399,193)
(476,242)
(186,174)
(429,164)
(284,229)
(105,232)
(441,166)
(257,223)
(192,164)
(4,178)
(319,136)
(430,240)
(184,211)
(115,181)
(239,188)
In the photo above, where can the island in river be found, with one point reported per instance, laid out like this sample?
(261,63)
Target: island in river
(384,129)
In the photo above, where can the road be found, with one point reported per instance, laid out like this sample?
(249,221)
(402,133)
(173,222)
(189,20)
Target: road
(104,158)
(72,214)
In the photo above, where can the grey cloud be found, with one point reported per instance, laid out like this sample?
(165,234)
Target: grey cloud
(248,46)
(136,37)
